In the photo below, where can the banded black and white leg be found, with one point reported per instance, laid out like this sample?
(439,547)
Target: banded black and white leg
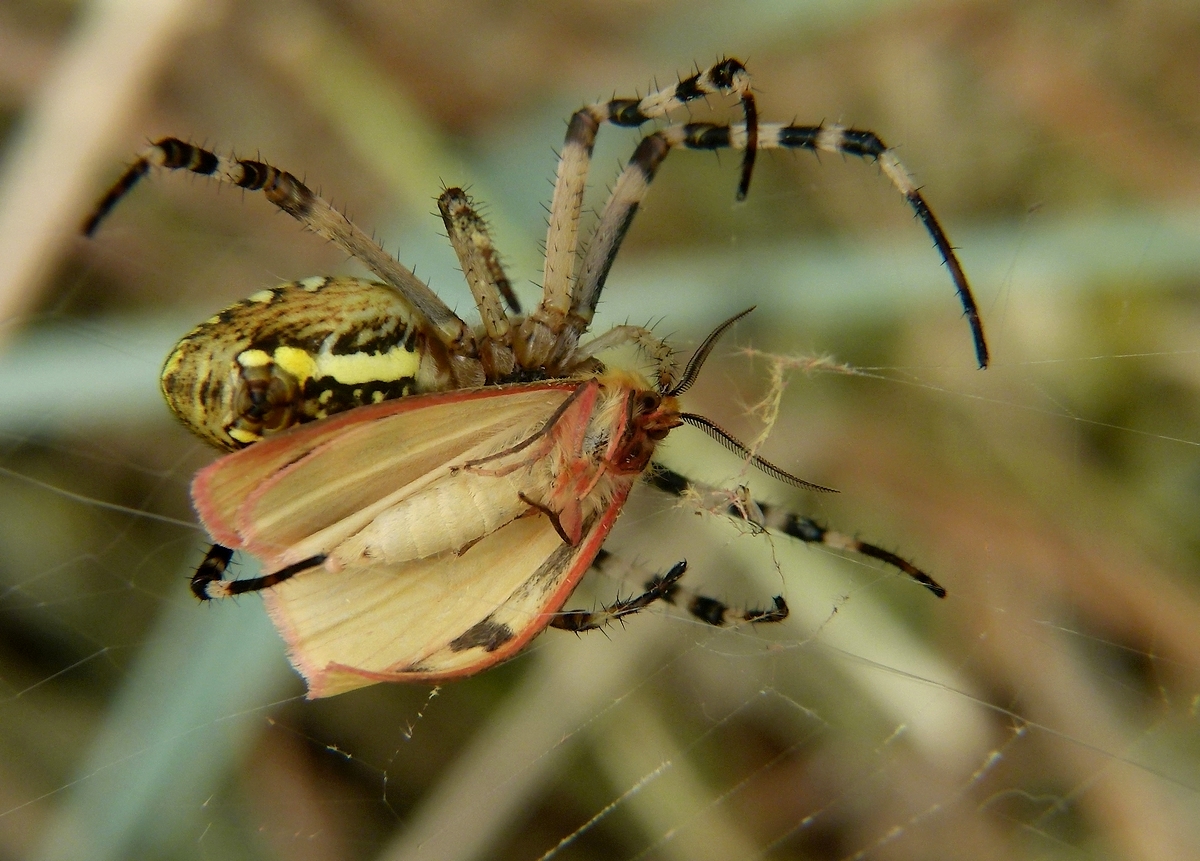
(634,182)
(480,261)
(543,331)
(317,215)
(666,587)
(768,517)
(209,583)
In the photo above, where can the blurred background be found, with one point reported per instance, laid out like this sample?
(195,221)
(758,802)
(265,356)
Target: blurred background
(1048,708)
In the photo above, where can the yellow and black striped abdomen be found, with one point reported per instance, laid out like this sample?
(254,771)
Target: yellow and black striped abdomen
(295,353)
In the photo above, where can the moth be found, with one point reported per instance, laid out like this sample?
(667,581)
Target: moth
(424,495)
(434,535)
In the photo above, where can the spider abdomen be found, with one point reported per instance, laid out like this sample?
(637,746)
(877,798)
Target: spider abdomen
(298,352)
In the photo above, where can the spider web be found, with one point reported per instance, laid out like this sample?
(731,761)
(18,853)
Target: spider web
(1047,708)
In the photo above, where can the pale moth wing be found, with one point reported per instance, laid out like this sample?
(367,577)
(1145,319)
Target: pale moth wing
(310,491)
(434,618)
(267,498)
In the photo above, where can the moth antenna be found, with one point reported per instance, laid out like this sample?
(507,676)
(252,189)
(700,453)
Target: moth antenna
(702,352)
(730,442)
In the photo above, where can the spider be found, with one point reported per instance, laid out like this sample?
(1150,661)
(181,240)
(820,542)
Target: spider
(352,354)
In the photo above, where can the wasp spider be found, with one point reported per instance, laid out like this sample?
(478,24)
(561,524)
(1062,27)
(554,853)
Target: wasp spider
(314,349)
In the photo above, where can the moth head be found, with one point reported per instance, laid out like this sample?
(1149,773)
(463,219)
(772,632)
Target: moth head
(656,414)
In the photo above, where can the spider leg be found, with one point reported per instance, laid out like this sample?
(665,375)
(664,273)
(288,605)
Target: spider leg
(590,620)
(209,583)
(477,253)
(763,516)
(316,214)
(634,182)
(719,614)
(485,276)
(544,325)
(665,587)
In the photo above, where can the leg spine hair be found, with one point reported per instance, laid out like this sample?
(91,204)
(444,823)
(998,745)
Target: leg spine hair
(477,254)
(789,523)
(590,620)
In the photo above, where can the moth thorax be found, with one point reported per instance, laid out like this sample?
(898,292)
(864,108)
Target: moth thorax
(633,418)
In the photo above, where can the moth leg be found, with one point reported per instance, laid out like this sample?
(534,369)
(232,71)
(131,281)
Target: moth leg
(762,516)
(666,587)
(585,393)
(551,515)
(209,583)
